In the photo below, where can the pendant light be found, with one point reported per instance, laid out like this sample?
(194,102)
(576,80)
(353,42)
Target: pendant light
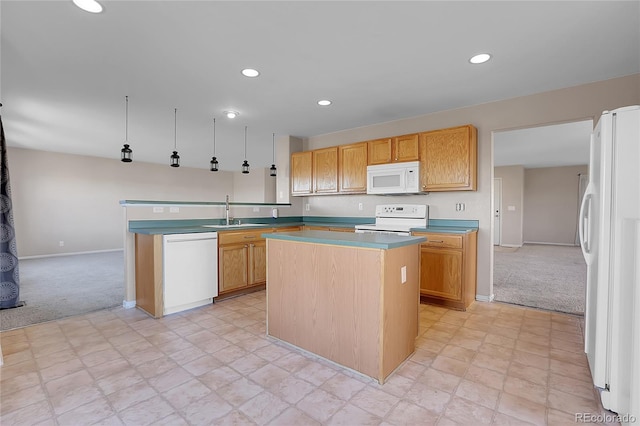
(175,158)
(272,170)
(214,160)
(125,152)
(245,165)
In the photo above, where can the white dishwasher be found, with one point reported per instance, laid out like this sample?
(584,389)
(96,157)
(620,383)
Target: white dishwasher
(190,263)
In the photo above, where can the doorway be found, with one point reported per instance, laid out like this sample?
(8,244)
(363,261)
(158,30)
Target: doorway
(497,210)
(536,196)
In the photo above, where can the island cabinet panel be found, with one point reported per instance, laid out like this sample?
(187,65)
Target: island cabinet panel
(325,170)
(346,304)
(148,263)
(301,173)
(449,159)
(352,166)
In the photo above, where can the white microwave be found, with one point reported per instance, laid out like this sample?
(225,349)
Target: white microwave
(394,178)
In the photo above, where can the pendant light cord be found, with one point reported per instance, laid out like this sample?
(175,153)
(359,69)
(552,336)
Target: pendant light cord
(126,119)
(273,148)
(214,137)
(245,142)
(175,129)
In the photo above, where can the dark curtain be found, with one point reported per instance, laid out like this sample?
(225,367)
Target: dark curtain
(9,276)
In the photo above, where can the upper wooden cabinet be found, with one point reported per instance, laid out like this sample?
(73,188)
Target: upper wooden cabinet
(352,168)
(301,171)
(448,159)
(325,170)
(394,150)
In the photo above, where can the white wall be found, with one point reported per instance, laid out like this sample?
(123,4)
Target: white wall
(564,105)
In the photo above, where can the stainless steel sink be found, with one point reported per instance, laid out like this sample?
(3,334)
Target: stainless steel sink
(235,225)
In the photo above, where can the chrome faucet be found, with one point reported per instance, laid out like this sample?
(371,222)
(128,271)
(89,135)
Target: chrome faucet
(226,209)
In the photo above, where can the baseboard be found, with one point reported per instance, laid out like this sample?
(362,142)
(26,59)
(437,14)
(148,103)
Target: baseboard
(480,298)
(128,304)
(67,254)
(510,245)
(551,244)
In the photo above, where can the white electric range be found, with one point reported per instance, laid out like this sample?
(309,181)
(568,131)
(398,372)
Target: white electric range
(397,219)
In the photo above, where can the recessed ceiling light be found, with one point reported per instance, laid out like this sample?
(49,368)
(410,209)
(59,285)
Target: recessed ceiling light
(480,59)
(250,72)
(88,5)
(324,102)
(231,114)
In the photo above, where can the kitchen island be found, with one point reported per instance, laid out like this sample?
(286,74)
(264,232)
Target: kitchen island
(350,298)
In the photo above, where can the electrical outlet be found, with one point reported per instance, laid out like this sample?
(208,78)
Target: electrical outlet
(256,209)
(360,206)
(174,209)
(307,207)
(61,243)
(158,209)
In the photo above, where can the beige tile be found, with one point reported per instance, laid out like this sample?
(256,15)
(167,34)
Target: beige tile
(263,407)
(423,357)
(569,357)
(173,419)
(375,401)
(411,370)
(407,413)
(233,418)
(90,413)
(219,377)
(28,415)
(268,375)
(21,398)
(170,379)
(526,389)
(202,365)
(533,338)
(146,412)
(292,416)
(450,365)
(119,381)
(18,383)
(500,419)
(478,393)
(500,340)
(56,358)
(572,386)
(186,355)
(571,403)
(292,389)
(320,405)
(292,362)
(568,345)
(434,400)
(316,373)
(439,380)
(395,385)
(531,374)
(238,392)
(156,367)
(522,409)
(95,358)
(463,411)
(132,395)
(248,364)
(530,359)
(72,391)
(9,371)
(493,379)
(61,369)
(351,415)
(186,394)
(465,342)
(574,371)
(461,354)
(108,368)
(487,361)
(496,351)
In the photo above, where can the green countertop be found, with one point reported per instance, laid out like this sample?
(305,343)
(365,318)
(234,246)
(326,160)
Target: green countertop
(187,226)
(380,241)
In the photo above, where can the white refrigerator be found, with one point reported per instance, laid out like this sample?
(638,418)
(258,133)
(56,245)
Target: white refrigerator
(610,239)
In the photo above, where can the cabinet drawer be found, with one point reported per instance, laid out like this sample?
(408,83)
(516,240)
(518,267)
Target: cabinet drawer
(232,237)
(442,240)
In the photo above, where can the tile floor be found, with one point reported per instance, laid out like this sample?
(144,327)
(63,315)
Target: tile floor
(494,364)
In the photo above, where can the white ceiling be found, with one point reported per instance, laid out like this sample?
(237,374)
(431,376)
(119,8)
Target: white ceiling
(65,72)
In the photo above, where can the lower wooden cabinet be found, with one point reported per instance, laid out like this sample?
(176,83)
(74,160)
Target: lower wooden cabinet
(448,269)
(328,228)
(242,258)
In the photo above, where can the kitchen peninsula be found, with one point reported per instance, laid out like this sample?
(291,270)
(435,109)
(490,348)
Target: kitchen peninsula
(350,298)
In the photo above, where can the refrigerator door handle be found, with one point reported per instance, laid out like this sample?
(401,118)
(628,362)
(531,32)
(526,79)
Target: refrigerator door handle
(584,224)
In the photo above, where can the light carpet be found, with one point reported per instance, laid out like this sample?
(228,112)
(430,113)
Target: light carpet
(541,276)
(59,287)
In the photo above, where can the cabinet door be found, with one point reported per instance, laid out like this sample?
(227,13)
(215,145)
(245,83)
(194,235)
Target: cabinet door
(352,165)
(257,262)
(325,170)
(301,172)
(379,151)
(233,263)
(441,273)
(405,148)
(449,159)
